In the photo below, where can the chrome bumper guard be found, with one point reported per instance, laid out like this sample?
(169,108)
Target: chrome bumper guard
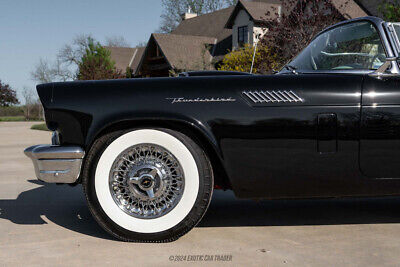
(56,164)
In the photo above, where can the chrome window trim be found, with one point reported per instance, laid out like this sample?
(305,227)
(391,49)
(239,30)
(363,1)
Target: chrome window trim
(393,35)
(395,42)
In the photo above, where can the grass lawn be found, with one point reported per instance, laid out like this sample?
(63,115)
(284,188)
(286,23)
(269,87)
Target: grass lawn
(40,127)
(12,118)
(16,118)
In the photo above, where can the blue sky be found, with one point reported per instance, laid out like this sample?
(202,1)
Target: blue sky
(33,29)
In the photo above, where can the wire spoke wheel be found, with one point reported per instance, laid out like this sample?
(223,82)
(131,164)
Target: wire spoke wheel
(147,185)
(146,181)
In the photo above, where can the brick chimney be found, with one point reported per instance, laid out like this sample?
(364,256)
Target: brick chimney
(188,15)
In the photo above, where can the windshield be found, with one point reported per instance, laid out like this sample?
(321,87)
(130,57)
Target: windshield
(353,46)
(395,27)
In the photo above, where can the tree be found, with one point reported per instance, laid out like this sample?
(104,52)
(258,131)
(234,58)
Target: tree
(28,96)
(116,41)
(129,72)
(65,66)
(96,63)
(241,60)
(8,96)
(69,58)
(141,44)
(42,72)
(71,54)
(390,10)
(33,108)
(231,2)
(288,34)
(45,72)
(173,10)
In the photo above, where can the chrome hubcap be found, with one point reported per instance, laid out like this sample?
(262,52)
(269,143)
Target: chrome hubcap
(146,181)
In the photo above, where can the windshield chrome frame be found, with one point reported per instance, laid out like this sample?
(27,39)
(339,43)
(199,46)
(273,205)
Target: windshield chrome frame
(393,35)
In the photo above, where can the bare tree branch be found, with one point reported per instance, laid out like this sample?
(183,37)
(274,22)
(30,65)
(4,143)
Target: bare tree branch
(42,73)
(116,41)
(231,2)
(71,54)
(289,33)
(141,44)
(45,72)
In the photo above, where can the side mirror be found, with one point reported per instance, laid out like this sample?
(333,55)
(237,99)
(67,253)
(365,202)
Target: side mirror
(381,71)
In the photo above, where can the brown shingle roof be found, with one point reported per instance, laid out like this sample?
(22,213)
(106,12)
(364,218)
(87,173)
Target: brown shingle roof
(211,25)
(257,10)
(121,55)
(126,56)
(137,57)
(185,51)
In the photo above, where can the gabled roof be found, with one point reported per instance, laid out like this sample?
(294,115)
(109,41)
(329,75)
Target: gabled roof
(257,10)
(211,24)
(137,57)
(126,56)
(184,51)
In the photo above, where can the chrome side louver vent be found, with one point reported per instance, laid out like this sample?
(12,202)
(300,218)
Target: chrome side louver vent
(261,97)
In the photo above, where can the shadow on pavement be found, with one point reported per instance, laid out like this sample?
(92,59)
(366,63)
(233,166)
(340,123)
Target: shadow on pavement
(66,207)
(62,204)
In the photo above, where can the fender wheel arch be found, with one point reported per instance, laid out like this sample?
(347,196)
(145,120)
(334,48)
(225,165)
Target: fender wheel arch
(221,178)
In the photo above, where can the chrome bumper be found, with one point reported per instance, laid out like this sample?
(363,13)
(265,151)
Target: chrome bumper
(56,164)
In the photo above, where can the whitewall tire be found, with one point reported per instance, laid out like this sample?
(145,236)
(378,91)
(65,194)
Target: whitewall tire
(150,185)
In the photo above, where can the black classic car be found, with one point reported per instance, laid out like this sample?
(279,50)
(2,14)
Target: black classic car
(150,152)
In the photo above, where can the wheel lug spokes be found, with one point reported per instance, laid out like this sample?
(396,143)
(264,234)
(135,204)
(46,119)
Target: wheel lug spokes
(146,181)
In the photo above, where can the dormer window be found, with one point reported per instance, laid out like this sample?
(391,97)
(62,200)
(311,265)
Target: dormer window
(243,35)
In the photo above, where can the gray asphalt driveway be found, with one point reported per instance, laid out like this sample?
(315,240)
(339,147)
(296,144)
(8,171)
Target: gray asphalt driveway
(49,224)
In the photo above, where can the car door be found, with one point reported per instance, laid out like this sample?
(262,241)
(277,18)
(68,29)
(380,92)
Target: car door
(305,148)
(380,127)
(380,124)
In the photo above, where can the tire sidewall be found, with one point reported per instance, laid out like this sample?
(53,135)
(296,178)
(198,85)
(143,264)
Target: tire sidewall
(189,216)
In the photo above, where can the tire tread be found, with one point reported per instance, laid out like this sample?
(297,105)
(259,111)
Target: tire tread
(191,220)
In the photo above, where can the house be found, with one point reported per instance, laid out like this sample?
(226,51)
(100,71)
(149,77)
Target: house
(201,42)
(195,44)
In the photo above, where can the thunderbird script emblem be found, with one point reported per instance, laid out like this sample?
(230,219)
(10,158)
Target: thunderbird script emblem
(175,100)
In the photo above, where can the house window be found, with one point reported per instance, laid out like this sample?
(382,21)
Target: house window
(243,35)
